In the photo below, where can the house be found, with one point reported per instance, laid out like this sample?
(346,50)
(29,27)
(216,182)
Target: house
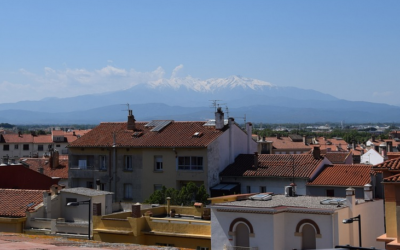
(133,159)
(14,203)
(333,180)
(274,173)
(302,222)
(54,216)
(54,166)
(15,146)
(372,157)
(293,144)
(166,225)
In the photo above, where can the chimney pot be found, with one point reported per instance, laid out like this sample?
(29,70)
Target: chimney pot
(317,153)
(219,119)
(256,159)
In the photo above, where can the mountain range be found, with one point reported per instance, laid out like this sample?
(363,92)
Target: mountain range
(191,98)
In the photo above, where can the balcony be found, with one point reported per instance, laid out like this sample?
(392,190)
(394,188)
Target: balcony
(239,248)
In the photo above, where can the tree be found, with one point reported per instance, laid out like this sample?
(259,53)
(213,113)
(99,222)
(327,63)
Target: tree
(186,196)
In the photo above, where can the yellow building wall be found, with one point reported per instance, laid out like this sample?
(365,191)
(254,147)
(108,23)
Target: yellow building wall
(170,176)
(12,225)
(152,230)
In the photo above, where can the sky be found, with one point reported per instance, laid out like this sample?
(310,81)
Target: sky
(349,49)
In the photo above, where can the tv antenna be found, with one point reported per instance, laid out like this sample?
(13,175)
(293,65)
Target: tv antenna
(127,104)
(215,104)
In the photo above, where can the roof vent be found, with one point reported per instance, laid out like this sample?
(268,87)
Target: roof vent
(137,134)
(198,134)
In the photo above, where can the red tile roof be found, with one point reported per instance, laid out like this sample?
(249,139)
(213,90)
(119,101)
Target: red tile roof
(349,175)
(287,143)
(271,165)
(26,138)
(14,202)
(393,178)
(337,157)
(176,134)
(393,164)
(60,171)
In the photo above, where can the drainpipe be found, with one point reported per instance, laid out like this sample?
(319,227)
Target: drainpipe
(115,167)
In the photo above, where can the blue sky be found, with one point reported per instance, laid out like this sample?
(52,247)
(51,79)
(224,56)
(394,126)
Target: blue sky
(349,49)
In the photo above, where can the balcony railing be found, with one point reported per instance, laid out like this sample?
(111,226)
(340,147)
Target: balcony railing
(239,248)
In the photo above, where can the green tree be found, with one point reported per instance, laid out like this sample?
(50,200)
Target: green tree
(187,195)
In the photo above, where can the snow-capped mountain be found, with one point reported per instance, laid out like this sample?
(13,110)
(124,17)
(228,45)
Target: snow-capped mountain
(212,84)
(190,99)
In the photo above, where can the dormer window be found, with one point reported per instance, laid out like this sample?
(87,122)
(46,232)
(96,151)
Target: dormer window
(198,134)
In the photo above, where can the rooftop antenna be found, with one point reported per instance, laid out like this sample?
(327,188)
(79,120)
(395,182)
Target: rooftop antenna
(127,104)
(215,104)
(227,111)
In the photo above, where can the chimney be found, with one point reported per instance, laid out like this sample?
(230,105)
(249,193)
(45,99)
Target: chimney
(305,139)
(73,133)
(219,119)
(278,136)
(54,159)
(131,121)
(47,204)
(316,153)
(389,146)
(19,133)
(351,198)
(33,133)
(98,184)
(249,131)
(368,192)
(373,138)
(256,159)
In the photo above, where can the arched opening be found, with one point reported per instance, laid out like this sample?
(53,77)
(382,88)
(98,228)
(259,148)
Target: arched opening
(308,240)
(242,236)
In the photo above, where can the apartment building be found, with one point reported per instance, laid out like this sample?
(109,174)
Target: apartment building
(133,159)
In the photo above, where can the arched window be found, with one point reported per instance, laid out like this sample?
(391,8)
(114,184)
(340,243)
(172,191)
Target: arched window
(242,230)
(308,240)
(309,232)
(242,235)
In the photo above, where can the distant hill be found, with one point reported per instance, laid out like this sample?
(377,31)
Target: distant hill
(190,99)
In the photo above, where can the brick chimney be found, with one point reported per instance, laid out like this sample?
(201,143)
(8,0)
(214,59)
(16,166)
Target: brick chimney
(316,153)
(54,159)
(131,121)
(219,119)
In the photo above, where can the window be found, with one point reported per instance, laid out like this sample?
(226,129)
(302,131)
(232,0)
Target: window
(58,145)
(89,184)
(25,147)
(128,162)
(68,200)
(103,162)
(40,147)
(248,189)
(158,163)
(6,147)
(330,192)
(127,191)
(82,164)
(102,186)
(202,248)
(157,187)
(16,146)
(190,163)
(263,189)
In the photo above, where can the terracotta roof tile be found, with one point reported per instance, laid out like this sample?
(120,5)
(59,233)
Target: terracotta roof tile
(176,134)
(337,157)
(393,164)
(14,202)
(286,143)
(351,175)
(60,171)
(393,178)
(271,165)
